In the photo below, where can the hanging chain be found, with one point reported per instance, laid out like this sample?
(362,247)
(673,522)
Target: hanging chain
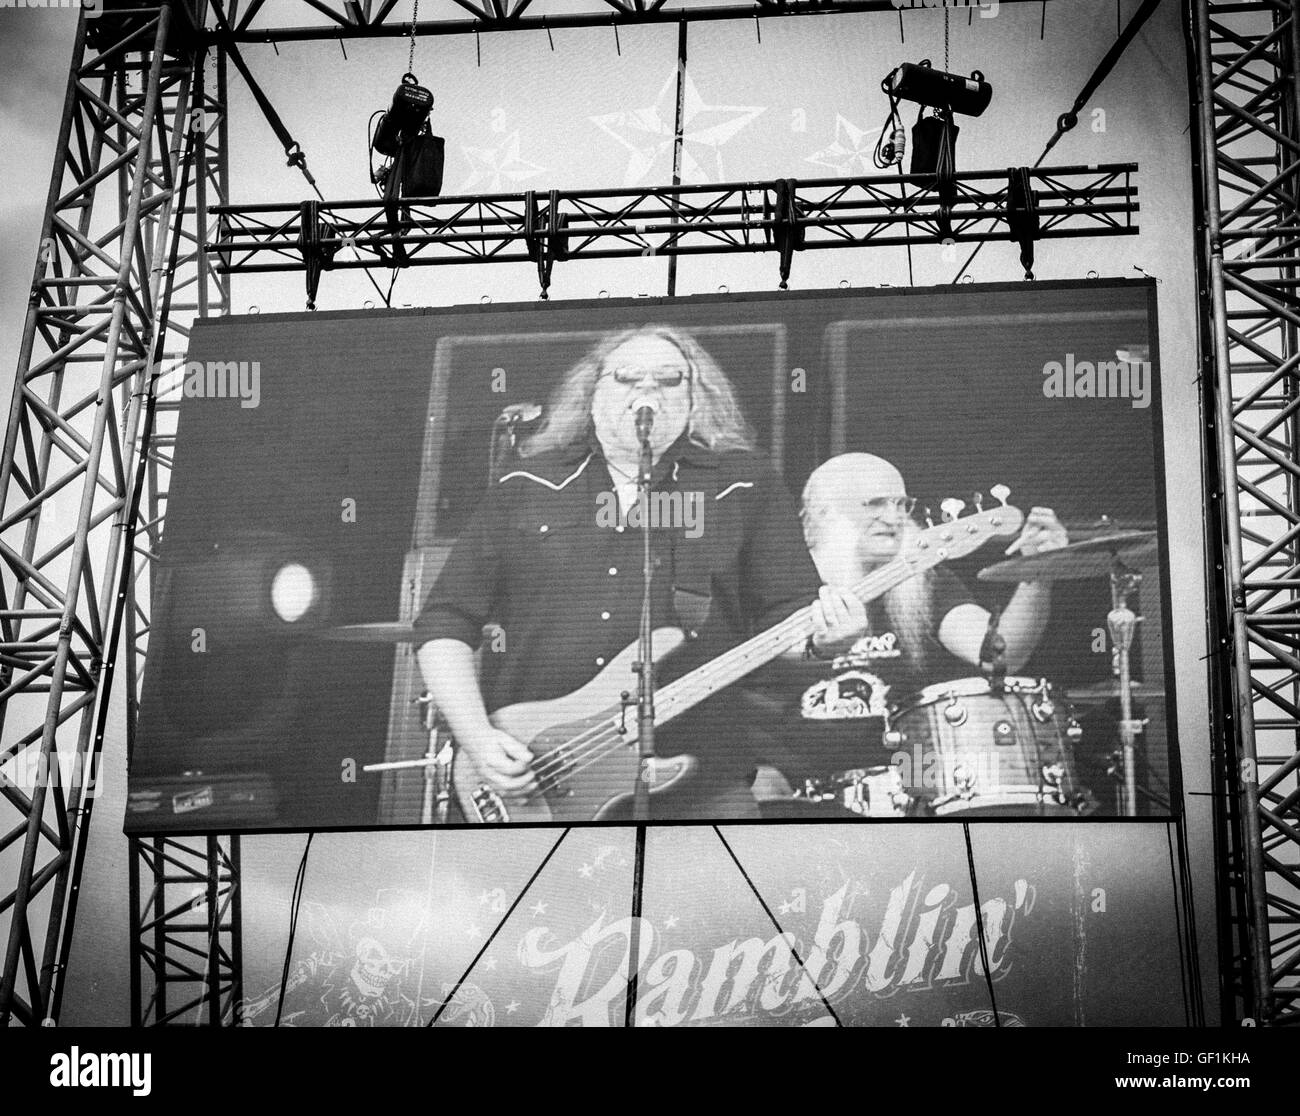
(415,16)
(946,68)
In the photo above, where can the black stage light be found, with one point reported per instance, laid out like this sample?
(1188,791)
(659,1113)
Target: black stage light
(408,113)
(414,156)
(934,137)
(924,85)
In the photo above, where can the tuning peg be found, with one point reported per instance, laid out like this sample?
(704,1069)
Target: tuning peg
(952,508)
(929,522)
(978,501)
(1000,492)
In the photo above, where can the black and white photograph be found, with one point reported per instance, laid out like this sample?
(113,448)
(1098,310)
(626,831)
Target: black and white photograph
(650,513)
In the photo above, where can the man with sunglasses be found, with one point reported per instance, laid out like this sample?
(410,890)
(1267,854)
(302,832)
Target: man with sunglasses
(542,564)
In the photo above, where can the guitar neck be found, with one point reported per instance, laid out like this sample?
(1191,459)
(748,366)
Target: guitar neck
(691,689)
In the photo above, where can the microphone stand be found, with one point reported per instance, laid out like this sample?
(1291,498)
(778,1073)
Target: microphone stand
(645,719)
(645,697)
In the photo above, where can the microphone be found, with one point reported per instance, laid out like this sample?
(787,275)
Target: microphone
(511,418)
(520,414)
(646,408)
(517,415)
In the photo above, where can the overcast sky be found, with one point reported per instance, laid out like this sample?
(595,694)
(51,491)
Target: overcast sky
(35,48)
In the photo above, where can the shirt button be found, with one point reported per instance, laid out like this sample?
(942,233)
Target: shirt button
(604,615)
(619,529)
(600,662)
(613,571)
(543,528)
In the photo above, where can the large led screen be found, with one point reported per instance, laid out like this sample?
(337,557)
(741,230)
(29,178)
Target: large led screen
(906,560)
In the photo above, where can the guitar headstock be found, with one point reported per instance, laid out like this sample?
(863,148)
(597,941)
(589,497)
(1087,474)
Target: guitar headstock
(958,535)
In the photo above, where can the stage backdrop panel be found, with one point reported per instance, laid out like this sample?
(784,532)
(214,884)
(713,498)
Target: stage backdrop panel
(816,925)
(327,465)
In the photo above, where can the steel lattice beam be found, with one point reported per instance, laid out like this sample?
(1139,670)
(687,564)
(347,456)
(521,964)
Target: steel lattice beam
(117,254)
(1249,100)
(782,216)
(254,21)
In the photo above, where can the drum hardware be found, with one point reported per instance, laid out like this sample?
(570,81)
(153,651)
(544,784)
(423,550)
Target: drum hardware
(372,633)
(875,792)
(1003,748)
(1079,561)
(1122,622)
(1116,555)
(436,761)
(1044,709)
(954,712)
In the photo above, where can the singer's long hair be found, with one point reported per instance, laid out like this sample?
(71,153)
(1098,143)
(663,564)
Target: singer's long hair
(909,605)
(716,421)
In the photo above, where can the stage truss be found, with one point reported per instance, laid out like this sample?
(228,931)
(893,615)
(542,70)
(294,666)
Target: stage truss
(1249,92)
(140,177)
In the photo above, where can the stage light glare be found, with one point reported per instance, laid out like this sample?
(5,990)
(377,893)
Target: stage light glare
(293,592)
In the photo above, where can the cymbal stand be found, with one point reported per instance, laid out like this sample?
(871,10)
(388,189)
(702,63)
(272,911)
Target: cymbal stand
(1122,622)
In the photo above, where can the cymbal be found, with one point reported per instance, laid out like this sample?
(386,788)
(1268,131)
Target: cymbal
(1108,690)
(1078,561)
(373,633)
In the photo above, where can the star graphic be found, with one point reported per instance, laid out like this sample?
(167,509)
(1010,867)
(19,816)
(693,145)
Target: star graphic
(849,153)
(471,931)
(484,898)
(903,1020)
(670,922)
(648,134)
(489,963)
(496,169)
(585,871)
(538,908)
(784,908)
(512,1007)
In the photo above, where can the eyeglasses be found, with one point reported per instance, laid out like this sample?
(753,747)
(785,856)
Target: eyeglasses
(670,376)
(877,507)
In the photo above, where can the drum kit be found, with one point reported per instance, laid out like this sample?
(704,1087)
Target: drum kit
(981,746)
(988,746)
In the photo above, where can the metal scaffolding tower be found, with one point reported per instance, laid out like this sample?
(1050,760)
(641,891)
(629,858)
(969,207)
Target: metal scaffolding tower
(120,274)
(1248,90)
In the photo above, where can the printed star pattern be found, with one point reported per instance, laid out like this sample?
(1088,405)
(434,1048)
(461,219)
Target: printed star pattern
(497,169)
(647,133)
(850,153)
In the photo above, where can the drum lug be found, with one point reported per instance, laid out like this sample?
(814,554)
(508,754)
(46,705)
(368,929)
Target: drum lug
(1053,776)
(955,713)
(892,738)
(1044,709)
(964,780)
(1073,729)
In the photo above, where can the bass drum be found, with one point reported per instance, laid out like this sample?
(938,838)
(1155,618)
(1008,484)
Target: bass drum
(988,750)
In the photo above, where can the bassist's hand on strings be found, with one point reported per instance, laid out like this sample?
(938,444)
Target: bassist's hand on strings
(501,761)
